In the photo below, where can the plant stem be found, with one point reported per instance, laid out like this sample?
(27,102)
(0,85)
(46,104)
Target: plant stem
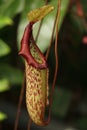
(29,124)
(56,56)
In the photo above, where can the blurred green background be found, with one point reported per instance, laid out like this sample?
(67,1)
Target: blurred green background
(69,109)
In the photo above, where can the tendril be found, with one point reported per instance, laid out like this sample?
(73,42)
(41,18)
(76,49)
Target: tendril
(56,57)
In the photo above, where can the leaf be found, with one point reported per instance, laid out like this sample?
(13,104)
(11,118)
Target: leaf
(46,30)
(11,8)
(13,75)
(2,116)
(4,20)
(4,85)
(4,48)
(47,27)
(4,5)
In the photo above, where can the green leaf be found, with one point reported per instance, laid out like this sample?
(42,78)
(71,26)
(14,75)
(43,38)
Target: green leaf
(13,75)
(4,20)
(2,116)
(15,8)
(47,27)
(46,30)
(4,85)
(12,7)
(4,5)
(4,48)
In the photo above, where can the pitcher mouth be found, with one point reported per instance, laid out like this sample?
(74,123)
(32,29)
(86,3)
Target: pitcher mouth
(30,51)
